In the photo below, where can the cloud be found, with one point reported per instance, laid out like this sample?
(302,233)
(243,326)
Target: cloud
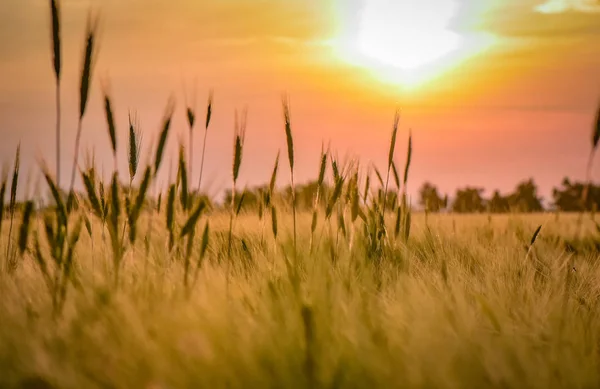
(562,6)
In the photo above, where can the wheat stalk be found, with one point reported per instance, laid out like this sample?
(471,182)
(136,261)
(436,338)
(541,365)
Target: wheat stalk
(290,147)
(56,59)
(89,57)
(207,123)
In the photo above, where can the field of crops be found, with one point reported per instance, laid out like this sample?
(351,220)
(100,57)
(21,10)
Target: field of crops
(463,303)
(121,284)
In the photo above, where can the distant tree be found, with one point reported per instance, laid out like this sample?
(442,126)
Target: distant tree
(568,197)
(498,203)
(525,198)
(468,200)
(429,198)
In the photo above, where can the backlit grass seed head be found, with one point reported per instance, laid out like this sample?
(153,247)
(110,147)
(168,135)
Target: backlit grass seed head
(239,137)
(24,230)
(89,55)
(162,140)
(367,187)
(90,187)
(337,192)
(408,157)
(240,203)
(395,175)
(2,196)
(322,168)
(274,221)
(115,203)
(15,179)
(183,179)
(596,130)
(56,47)
(171,208)
(191,117)
(135,145)
(190,224)
(393,141)
(535,235)
(335,170)
(110,120)
(288,131)
(274,176)
(209,109)
(56,195)
(141,195)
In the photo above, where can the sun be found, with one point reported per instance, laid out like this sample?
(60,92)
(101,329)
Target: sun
(407,33)
(407,42)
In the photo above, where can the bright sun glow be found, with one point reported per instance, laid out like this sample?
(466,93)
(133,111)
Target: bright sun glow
(407,42)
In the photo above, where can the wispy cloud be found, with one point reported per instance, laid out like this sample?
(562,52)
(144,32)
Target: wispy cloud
(561,6)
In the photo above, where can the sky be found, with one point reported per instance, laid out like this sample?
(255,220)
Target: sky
(493,91)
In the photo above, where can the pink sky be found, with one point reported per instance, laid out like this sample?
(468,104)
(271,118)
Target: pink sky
(523,107)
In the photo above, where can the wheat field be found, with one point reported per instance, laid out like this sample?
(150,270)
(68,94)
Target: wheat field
(120,284)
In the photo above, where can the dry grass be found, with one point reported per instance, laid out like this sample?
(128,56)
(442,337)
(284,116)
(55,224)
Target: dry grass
(493,319)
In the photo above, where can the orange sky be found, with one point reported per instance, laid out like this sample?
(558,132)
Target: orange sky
(521,106)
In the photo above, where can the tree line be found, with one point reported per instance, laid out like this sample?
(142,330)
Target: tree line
(568,197)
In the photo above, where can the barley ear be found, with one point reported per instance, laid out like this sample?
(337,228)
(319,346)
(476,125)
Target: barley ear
(274,176)
(240,203)
(596,131)
(162,141)
(535,235)
(274,221)
(90,187)
(135,144)
(395,174)
(322,168)
(15,180)
(205,238)
(393,141)
(190,224)
(408,157)
(88,63)
(209,109)
(288,131)
(171,215)
(24,230)
(183,177)
(239,137)
(56,52)
(110,120)
(2,196)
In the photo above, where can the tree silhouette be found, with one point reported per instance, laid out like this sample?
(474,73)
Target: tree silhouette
(525,197)
(429,198)
(498,203)
(468,200)
(568,197)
